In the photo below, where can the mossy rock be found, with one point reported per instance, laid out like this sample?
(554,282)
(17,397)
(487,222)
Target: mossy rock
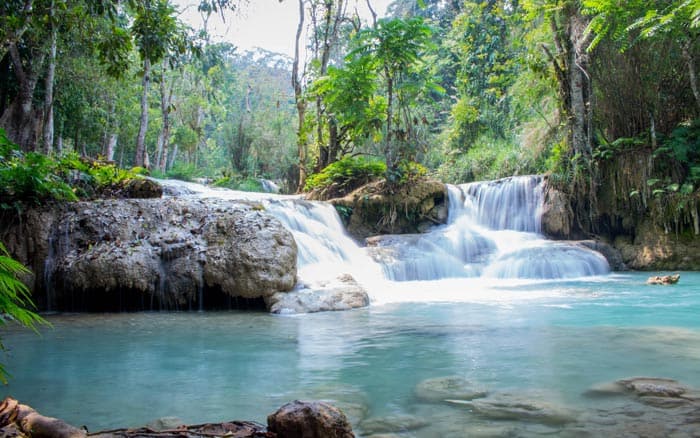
(141,188)
(411,208)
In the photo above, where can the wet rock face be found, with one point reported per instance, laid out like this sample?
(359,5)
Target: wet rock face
(343,293)
(557,215)
(116,255)
(653,248)
(370,211)
(300,419)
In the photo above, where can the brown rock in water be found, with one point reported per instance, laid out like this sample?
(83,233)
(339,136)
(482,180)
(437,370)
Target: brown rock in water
(664,279)
(299,419)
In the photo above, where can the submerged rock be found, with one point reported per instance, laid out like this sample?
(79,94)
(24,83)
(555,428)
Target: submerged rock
(392,424)
(655,392)
(518,407)
(439,389)
(309,419)
(343,293)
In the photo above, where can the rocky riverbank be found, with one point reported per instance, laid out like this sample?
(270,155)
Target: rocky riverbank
(639,243)
(153,254)
(297,419)
(445,406)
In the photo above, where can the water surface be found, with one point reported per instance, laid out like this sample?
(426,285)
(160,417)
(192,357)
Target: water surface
(553,338)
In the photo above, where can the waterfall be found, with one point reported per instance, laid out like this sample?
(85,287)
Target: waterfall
(493,232)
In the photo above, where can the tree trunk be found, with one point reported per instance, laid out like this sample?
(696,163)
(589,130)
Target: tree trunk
(18,119)
(159,151)
(299,100)
(579,83)
(172,158)
(48,130)
(388,147)
(690,63)
(143,121)
(166,96)
(111,147)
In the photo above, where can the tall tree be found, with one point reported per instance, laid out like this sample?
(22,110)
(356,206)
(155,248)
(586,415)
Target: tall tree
(302,145)
(155,30)
(395,48)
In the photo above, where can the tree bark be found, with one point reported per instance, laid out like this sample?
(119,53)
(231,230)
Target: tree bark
(690,63)
(299,100)
(48,130)
(166,96)
(18,119)
(111,146)
(143,121)
(579,83)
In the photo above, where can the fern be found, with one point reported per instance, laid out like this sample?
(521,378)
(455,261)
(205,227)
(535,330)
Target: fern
(15,298)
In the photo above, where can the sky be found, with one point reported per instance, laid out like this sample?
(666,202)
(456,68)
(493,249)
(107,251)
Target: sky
(268,24)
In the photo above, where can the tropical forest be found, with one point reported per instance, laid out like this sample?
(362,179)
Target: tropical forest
(409,218)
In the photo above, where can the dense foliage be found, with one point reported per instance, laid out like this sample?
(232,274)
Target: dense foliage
(469,89)
(33,178)
(347,173)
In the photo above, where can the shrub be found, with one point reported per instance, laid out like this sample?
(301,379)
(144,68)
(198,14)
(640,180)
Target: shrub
(32,178)
(239,183)
(347,172)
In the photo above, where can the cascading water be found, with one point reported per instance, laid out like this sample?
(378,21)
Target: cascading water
(493,232)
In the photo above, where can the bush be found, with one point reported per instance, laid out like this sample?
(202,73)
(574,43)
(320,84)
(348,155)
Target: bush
(183,172)
(240,183)
(348,173)
(32,178)
(491,158)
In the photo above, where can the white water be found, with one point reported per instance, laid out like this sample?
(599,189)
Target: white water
(492,239)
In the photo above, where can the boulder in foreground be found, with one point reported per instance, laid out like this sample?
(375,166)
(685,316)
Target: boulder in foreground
(309,419)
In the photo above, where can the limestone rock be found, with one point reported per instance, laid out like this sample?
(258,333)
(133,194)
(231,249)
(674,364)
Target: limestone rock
(392,424)
(142,188)
(128,254)
(654,249)
(21,420)
(652,391)
(343,293)
(664,279)
(165,423)
(653,386)
(249,256)
(557,215)
(518,407)
(451,387)
(412,209)
(309,419)
(611,254)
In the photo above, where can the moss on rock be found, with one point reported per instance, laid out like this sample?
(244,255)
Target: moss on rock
(411,208)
